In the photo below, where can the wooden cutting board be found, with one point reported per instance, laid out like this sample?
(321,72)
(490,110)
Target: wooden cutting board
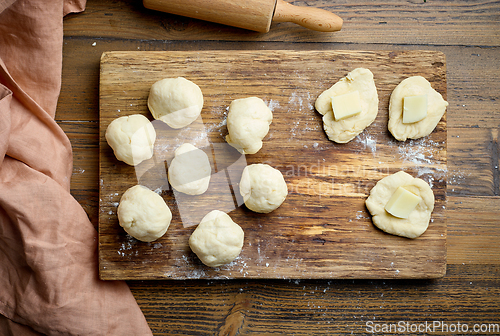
(323,229)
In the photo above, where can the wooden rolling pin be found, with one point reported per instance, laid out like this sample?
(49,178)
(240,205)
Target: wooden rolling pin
(250,14)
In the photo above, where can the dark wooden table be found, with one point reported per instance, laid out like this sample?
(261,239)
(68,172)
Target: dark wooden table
(468,297)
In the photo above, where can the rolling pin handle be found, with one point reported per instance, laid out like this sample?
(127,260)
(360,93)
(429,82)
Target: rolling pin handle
(308,17)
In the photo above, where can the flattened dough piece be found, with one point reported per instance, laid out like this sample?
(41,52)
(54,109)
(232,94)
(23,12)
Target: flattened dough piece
(248,123)
(132,138)
(345,130)
(436,107)
(175,101)
(189,172)
(263,188)
(217,240)
(418,220)
(143,214)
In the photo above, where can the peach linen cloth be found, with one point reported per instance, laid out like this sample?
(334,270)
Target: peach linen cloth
(48,247)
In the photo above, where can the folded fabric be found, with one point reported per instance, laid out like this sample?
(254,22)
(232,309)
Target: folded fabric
(48,247)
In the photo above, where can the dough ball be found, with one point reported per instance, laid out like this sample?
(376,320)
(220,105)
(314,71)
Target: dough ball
(345,130)
(436,107)
(132,138)
(189,172)
(143,214)
(217,240)
(418,220)
(248,122)
(175,101)
(263,188)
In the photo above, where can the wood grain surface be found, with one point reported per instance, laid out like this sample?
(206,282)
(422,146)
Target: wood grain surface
(323,229)
(391,22)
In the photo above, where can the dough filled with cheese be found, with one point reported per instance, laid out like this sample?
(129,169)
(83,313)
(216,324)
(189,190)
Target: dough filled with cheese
(344,130)
(418,220)
(436,107)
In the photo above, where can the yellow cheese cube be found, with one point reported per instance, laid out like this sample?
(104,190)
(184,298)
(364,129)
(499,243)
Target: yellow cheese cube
(402,203)
(414,108)
(346,105)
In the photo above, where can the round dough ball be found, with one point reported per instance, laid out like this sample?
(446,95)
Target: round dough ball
(143,214)
(248,123)
(132,138)
(418,220)
(217,240)
(263,188)
(345,130)
(175,101)
(436,107)
(189,172)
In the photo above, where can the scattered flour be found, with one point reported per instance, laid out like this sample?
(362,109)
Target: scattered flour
(361,214)
(295,99)
(419,152)
(423,154)
(77,171)
(127,248)
(367,141)
(273,104)
(294,129)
